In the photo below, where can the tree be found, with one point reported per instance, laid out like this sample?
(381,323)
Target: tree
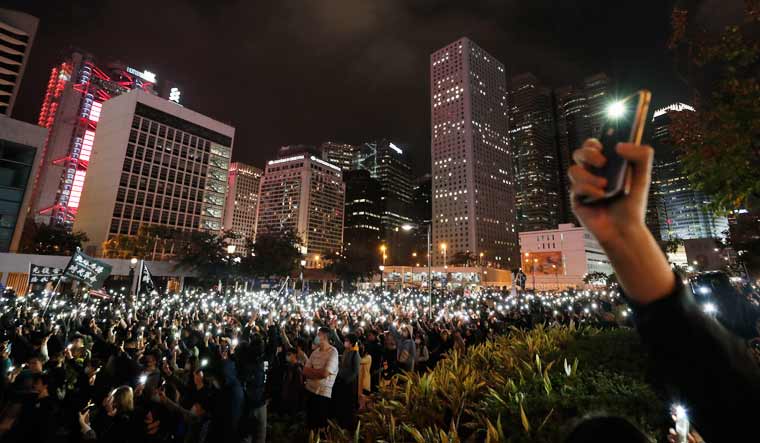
(53,239)
(463,259)
(719,144)
(670,246)
(206,253)
(355,264)
(273,254)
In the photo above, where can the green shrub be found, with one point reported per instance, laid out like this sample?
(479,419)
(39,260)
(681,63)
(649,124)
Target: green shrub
(526,386)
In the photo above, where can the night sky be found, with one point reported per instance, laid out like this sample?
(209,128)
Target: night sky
(307,71)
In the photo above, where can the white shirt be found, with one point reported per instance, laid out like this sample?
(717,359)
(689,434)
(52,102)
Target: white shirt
(327,360)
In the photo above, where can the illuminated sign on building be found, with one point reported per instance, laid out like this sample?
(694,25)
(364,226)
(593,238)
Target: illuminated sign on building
(145,75)
(174,94)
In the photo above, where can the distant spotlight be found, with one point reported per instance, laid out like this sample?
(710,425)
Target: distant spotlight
(616,110)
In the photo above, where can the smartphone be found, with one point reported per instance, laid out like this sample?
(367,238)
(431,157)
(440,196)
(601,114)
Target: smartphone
(624,122)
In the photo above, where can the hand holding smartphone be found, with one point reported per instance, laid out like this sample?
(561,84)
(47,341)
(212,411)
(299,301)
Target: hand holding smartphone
(624,123)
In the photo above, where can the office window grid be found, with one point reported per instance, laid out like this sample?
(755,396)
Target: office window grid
(169,178)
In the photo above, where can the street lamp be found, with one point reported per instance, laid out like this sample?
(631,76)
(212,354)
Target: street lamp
(132,265)
(408,228)
(382,272)
(303,265)
(533,271)
(556,275)
(481,258)
(443,249)
(383,248)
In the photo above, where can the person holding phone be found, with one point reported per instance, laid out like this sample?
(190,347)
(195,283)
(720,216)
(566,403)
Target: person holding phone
(711,370)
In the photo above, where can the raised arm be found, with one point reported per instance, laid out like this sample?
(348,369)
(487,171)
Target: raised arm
(712,371)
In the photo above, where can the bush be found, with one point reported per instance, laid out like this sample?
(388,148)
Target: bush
(526,386)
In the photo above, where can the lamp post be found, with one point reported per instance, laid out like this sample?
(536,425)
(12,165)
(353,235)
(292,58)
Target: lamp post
(382,272)
(480,260)
(132,281)
(430,267)
(303,265)
(533,271)
(443,250)
(556,275)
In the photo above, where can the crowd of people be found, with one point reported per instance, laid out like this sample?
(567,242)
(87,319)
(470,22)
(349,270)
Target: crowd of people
(206,366)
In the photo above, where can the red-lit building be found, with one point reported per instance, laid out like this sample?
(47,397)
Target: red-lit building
(70,110)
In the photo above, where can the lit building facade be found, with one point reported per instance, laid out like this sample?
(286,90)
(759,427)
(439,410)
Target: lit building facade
(363,226)
(341,155)
(242,202)
(681,209)
(71,110)
(472,171)
(17,31)
(597,89)
(561,257)
(305,195)
(579,114)
(20,147)
(537,168)
(155,163)
(388,163)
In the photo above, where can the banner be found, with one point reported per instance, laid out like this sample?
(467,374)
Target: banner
(87,270)
(543,263)
(146,280)
(42,275)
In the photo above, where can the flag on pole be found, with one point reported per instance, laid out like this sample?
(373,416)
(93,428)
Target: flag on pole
(146,280)
(87,270)
(41,275)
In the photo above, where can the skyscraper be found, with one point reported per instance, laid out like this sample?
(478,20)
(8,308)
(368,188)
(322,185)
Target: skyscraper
(422,204)
(597,89)
(682,210)
(572,130)
(20,148)
(363,227)
(473,175)
(305,195)
(71,110)
(531,123)
(155,163)
(579,114)
(388,163)
(341,155)
(17,31)
(242,202)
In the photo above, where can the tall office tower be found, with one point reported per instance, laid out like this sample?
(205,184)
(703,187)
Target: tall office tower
(572,130)
(71,110)
(20,148)
(242,202)
(293,150)
(154,163)
(388,163)
(363,225)
(305,195)
(597,89)
(17,31)
(422,214)
(341,155)
(683,210)
(473,178)
(532,133)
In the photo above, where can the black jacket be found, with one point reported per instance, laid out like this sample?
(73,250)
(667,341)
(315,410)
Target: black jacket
(712,372)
